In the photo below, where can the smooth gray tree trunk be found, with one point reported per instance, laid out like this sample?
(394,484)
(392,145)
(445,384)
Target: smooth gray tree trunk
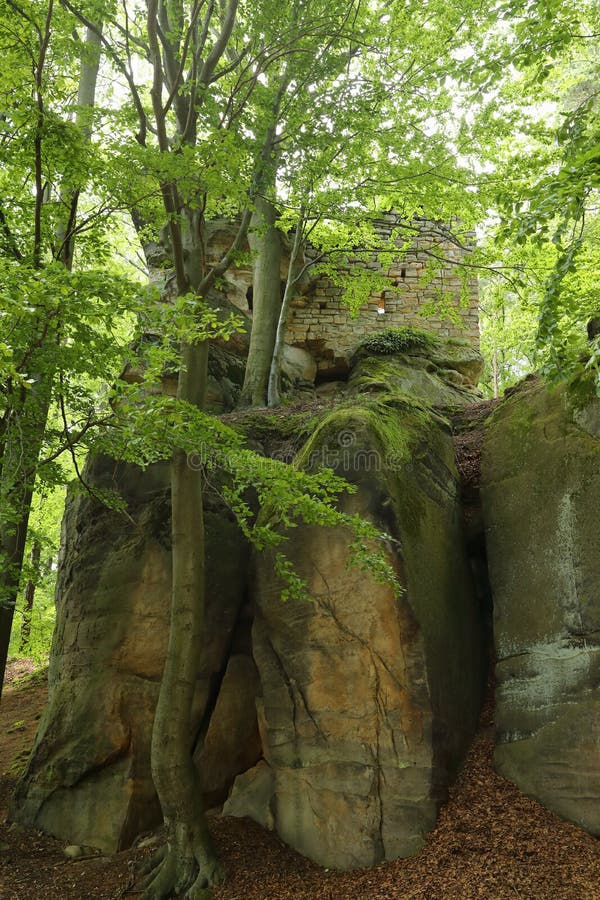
(265,242)
(294,275)
(25,637)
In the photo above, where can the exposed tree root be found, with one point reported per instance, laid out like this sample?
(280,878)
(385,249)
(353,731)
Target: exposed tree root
(145,866)
(188,871)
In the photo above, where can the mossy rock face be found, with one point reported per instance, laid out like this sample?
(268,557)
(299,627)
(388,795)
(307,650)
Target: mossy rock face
(88,780)
(391,341)
(541,495)
(459,356)
(369,700)
(418,377)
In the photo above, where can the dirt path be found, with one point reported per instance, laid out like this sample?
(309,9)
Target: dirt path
(490,842)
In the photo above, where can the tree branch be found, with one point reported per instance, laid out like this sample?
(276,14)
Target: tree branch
(122,68)
(220,45)
(10,238)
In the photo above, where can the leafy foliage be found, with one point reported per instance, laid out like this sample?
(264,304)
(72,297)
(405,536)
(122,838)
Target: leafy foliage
(150,428)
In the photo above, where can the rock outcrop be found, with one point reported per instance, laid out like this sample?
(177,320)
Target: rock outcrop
(541,495)
(369,700)
(366,701)
(417,376)
(88,779)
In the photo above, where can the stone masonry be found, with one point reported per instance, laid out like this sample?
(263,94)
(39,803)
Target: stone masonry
(435,299)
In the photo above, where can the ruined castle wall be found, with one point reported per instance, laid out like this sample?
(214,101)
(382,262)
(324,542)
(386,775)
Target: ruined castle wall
(320,320)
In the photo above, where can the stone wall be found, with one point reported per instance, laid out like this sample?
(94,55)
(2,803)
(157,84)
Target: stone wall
(322,323)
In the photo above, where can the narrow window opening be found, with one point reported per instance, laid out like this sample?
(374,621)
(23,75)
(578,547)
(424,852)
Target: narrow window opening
(381,306)
(403,273)
(250,297)
(322,305)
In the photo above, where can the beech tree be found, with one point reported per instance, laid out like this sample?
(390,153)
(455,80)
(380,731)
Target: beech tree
(296,91)
(206,62)
(373,127)
(47,91)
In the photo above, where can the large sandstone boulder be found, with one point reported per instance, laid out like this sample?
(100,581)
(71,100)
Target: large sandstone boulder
(445,374)
(88,779)
(368,700)
(541,495)
(232,742)
(298,364)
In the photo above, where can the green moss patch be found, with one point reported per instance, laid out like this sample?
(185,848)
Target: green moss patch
(397,340)
(395,421)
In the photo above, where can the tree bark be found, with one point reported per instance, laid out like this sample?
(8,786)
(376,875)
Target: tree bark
(188,863)
(22,447)
(25,638)
(265,241)
(274,389)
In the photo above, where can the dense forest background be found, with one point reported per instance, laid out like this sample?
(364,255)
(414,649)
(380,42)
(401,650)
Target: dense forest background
(127,129)
(118,122)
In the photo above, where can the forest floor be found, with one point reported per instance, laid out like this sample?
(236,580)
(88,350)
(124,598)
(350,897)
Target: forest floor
(490,841)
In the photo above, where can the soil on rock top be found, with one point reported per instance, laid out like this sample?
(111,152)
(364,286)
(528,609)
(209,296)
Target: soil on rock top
(490,842)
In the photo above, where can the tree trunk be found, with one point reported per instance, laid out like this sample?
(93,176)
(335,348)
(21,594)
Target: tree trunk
(25,639)
(22,445)
(274,396)
(265,241)
(12,544)
(86,96)
(189,861)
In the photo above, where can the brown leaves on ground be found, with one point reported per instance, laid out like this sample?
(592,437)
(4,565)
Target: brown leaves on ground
(490,842)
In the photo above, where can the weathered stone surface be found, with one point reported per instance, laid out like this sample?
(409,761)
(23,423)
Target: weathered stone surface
(252,796)
(298,364)
(88,780)
(460,356)
(541,494)
(418,376)
(369,700)
(232,743)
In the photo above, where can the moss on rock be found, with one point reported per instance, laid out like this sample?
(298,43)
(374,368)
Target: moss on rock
(541,492)
(370,700)
(416,377)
